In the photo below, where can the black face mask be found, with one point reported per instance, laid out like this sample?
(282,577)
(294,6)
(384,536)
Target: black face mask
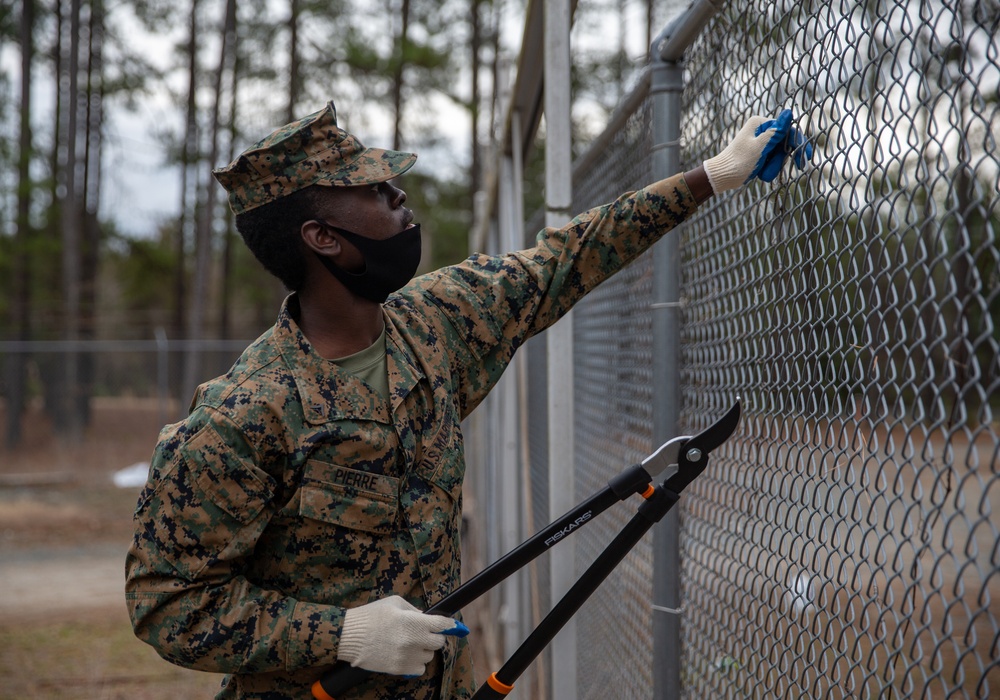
(389,263)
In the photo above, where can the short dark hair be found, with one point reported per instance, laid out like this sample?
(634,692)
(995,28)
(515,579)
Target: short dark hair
(272,232)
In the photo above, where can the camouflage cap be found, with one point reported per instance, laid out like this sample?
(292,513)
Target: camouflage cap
(310,151)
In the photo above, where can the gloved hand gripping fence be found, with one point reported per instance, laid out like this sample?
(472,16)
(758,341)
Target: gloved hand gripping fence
(758,151)
(687,455)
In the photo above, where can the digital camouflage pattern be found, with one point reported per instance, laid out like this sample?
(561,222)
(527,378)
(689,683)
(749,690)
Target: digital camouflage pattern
(310,151)
(294,490)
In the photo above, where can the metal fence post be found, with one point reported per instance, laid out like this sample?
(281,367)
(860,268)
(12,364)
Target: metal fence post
(510,512)
(559,338)
(666,87)
(667,81)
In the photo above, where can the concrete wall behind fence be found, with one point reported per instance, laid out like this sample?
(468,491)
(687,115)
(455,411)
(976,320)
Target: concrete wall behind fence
(846,542)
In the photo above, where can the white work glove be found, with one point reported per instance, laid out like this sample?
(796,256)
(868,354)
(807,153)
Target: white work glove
(759,150)
(392,636)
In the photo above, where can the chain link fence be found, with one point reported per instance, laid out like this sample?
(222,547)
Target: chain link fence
(845,543)
(847,546)
(613,347)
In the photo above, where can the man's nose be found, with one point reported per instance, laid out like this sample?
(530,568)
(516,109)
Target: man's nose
(397,196)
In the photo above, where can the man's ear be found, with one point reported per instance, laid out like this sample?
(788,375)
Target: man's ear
(318,239)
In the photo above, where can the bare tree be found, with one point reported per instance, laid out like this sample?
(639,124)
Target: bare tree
(203,230)
(188,156)
(90,198)
(475,49)
(16,362)
(398,75)
(225,302)
(71,427)
(294,61)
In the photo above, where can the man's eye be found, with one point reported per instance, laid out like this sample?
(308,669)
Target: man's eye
(375,188)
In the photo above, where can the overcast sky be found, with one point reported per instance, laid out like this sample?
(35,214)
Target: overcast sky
(140,191)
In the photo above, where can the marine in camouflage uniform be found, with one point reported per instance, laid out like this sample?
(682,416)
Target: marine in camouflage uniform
(295,490)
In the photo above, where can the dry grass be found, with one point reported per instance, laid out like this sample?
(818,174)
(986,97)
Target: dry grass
(122,431)
(90,655)
(64,529)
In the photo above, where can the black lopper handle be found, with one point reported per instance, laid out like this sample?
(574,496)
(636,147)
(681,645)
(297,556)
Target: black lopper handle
(493,689)
(340,678)
(488,692)
(343,676)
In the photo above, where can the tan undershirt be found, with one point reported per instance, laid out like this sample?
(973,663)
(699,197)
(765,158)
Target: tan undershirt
(369,365)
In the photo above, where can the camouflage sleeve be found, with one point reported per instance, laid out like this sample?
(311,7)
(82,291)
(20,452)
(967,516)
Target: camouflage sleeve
(202,511)
(495,303)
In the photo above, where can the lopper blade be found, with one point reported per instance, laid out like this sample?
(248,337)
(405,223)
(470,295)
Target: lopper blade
(692,457)
(717,433)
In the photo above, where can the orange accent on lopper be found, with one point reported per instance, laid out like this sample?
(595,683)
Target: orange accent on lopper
(498,685)
(648,493)
(319,693)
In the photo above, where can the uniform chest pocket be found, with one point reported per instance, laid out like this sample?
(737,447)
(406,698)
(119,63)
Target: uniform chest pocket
(349,506)
(348,518)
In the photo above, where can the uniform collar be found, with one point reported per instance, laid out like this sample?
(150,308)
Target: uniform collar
(330,393)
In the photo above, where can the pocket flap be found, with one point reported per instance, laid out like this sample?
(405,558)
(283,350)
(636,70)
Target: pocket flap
(351,498)
(238,488)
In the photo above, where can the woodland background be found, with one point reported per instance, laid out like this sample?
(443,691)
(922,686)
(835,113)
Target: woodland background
(422,75)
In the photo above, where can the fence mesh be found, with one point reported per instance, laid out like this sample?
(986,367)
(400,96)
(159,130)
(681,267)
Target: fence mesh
(845,542)
(613,386)
(846,546)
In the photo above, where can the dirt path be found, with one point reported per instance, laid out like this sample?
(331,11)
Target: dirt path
(60,581)
(64,531)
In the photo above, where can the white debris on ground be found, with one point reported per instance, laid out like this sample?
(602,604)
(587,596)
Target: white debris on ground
(133,477)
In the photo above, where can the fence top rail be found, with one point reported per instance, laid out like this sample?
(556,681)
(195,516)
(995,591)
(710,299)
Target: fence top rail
(160,345)
(683,31)
(628,106)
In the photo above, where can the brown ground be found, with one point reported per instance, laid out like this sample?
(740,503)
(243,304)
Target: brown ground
(64,531)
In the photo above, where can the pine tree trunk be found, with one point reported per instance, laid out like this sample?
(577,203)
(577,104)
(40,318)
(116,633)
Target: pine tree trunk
(203,231)
(225,318)
(17,362)
(294,62)
(49,364)
(398,77)
(475,48)
(71,428)
(188,149)
(90,200)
